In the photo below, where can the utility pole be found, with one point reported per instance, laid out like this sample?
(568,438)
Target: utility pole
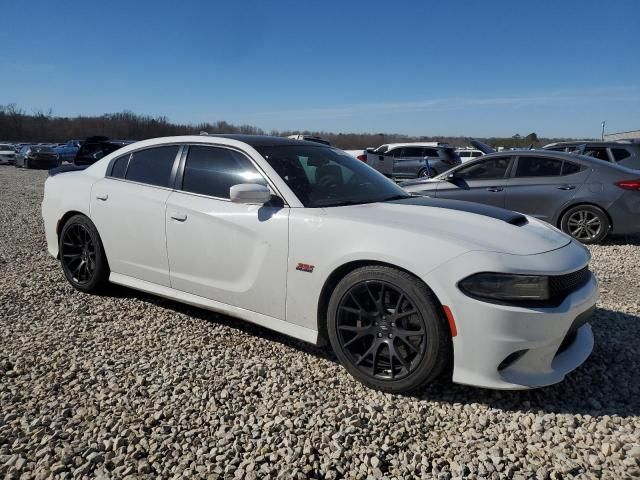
(604,122)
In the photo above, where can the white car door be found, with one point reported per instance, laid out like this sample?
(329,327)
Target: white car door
(128,209)
(227,252)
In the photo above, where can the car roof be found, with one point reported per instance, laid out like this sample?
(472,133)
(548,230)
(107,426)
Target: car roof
(418,144)
(593,143)
(265,140)
(573,157)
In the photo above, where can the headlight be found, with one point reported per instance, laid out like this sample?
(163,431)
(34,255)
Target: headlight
(506,286)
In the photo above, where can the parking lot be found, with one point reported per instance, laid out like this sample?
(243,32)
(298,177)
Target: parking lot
(130,384)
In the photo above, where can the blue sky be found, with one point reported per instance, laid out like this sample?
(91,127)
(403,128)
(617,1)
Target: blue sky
(418,67)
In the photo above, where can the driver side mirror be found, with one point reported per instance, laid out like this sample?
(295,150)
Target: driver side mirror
(250,194)
(452,176)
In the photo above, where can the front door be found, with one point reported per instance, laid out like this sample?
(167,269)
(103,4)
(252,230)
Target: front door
(482,181)
(541,186)
(231,253)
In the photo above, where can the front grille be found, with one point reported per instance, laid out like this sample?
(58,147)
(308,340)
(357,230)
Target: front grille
(562,285)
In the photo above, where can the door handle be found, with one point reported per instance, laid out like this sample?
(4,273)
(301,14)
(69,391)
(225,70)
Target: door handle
(567,187)
(103,197)
(494,189)
(178,217)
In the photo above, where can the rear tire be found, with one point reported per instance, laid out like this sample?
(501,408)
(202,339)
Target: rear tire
(386,328)
(433,173)
(82,256)
(422,173)
(586,223)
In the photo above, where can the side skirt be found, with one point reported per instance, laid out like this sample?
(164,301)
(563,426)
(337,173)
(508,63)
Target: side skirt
(266,321)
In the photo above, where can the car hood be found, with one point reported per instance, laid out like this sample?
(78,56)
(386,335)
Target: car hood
(470,225)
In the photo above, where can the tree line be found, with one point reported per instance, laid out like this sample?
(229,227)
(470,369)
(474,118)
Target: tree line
(16,125)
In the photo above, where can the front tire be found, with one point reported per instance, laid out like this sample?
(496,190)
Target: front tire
(586,223)
(386,328)
(82,256)
(433,172)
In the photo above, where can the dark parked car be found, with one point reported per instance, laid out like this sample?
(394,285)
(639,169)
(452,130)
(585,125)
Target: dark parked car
(624,153)
(37,156)
(94,148)
(583,196)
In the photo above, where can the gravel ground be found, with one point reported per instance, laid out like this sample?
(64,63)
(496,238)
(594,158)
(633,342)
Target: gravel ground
(132,385)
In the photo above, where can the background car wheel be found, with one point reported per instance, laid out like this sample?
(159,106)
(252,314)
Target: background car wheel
(82,256)
(586,223)
(26,163)
(387,330)
(422,173)
(433,173)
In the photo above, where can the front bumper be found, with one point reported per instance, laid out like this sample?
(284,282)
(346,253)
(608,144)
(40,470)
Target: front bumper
(509,347)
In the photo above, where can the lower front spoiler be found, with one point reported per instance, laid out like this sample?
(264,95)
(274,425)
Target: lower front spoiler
(521,375)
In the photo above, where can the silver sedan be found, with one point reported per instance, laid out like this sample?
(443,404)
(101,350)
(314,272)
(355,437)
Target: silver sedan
(583,196)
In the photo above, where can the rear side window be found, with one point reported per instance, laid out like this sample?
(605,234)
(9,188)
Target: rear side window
(620,154)
(412,152)
(493,168)
(465,154)
(538,167)
(120,167)
(430,152)
(152,166)
(596,152)
(569,168)
(213,171)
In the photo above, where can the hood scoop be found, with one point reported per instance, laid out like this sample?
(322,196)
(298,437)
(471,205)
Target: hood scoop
(498,213)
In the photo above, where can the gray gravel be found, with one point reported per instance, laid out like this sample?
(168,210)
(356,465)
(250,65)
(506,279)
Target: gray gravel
(132,385)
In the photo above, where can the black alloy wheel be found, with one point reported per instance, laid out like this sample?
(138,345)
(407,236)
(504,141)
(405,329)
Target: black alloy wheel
(385,328)
(81,255)
(586,223)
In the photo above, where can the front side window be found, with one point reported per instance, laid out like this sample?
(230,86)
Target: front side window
(213,171)
(396,153)
(325,177)
(538,167)
(152,166)
(464,154)
(490,169)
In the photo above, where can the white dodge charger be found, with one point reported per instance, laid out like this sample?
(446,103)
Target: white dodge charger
(306,240)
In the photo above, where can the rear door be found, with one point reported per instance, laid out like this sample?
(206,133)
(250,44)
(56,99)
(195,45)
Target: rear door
(481,181)
(128,208)
(409,162)
(540,185)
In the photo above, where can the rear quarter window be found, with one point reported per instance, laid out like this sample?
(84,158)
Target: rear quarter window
(620,154)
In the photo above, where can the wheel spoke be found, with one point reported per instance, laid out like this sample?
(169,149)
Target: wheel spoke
(369,318)
(408,344)
(357,311)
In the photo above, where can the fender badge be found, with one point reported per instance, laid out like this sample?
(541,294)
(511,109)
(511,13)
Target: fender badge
(305,267)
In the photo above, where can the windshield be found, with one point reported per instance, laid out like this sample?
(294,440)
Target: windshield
(328,177)
(381,149)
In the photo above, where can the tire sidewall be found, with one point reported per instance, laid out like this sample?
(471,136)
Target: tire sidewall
(436,337)
(101,271)
(604,219)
